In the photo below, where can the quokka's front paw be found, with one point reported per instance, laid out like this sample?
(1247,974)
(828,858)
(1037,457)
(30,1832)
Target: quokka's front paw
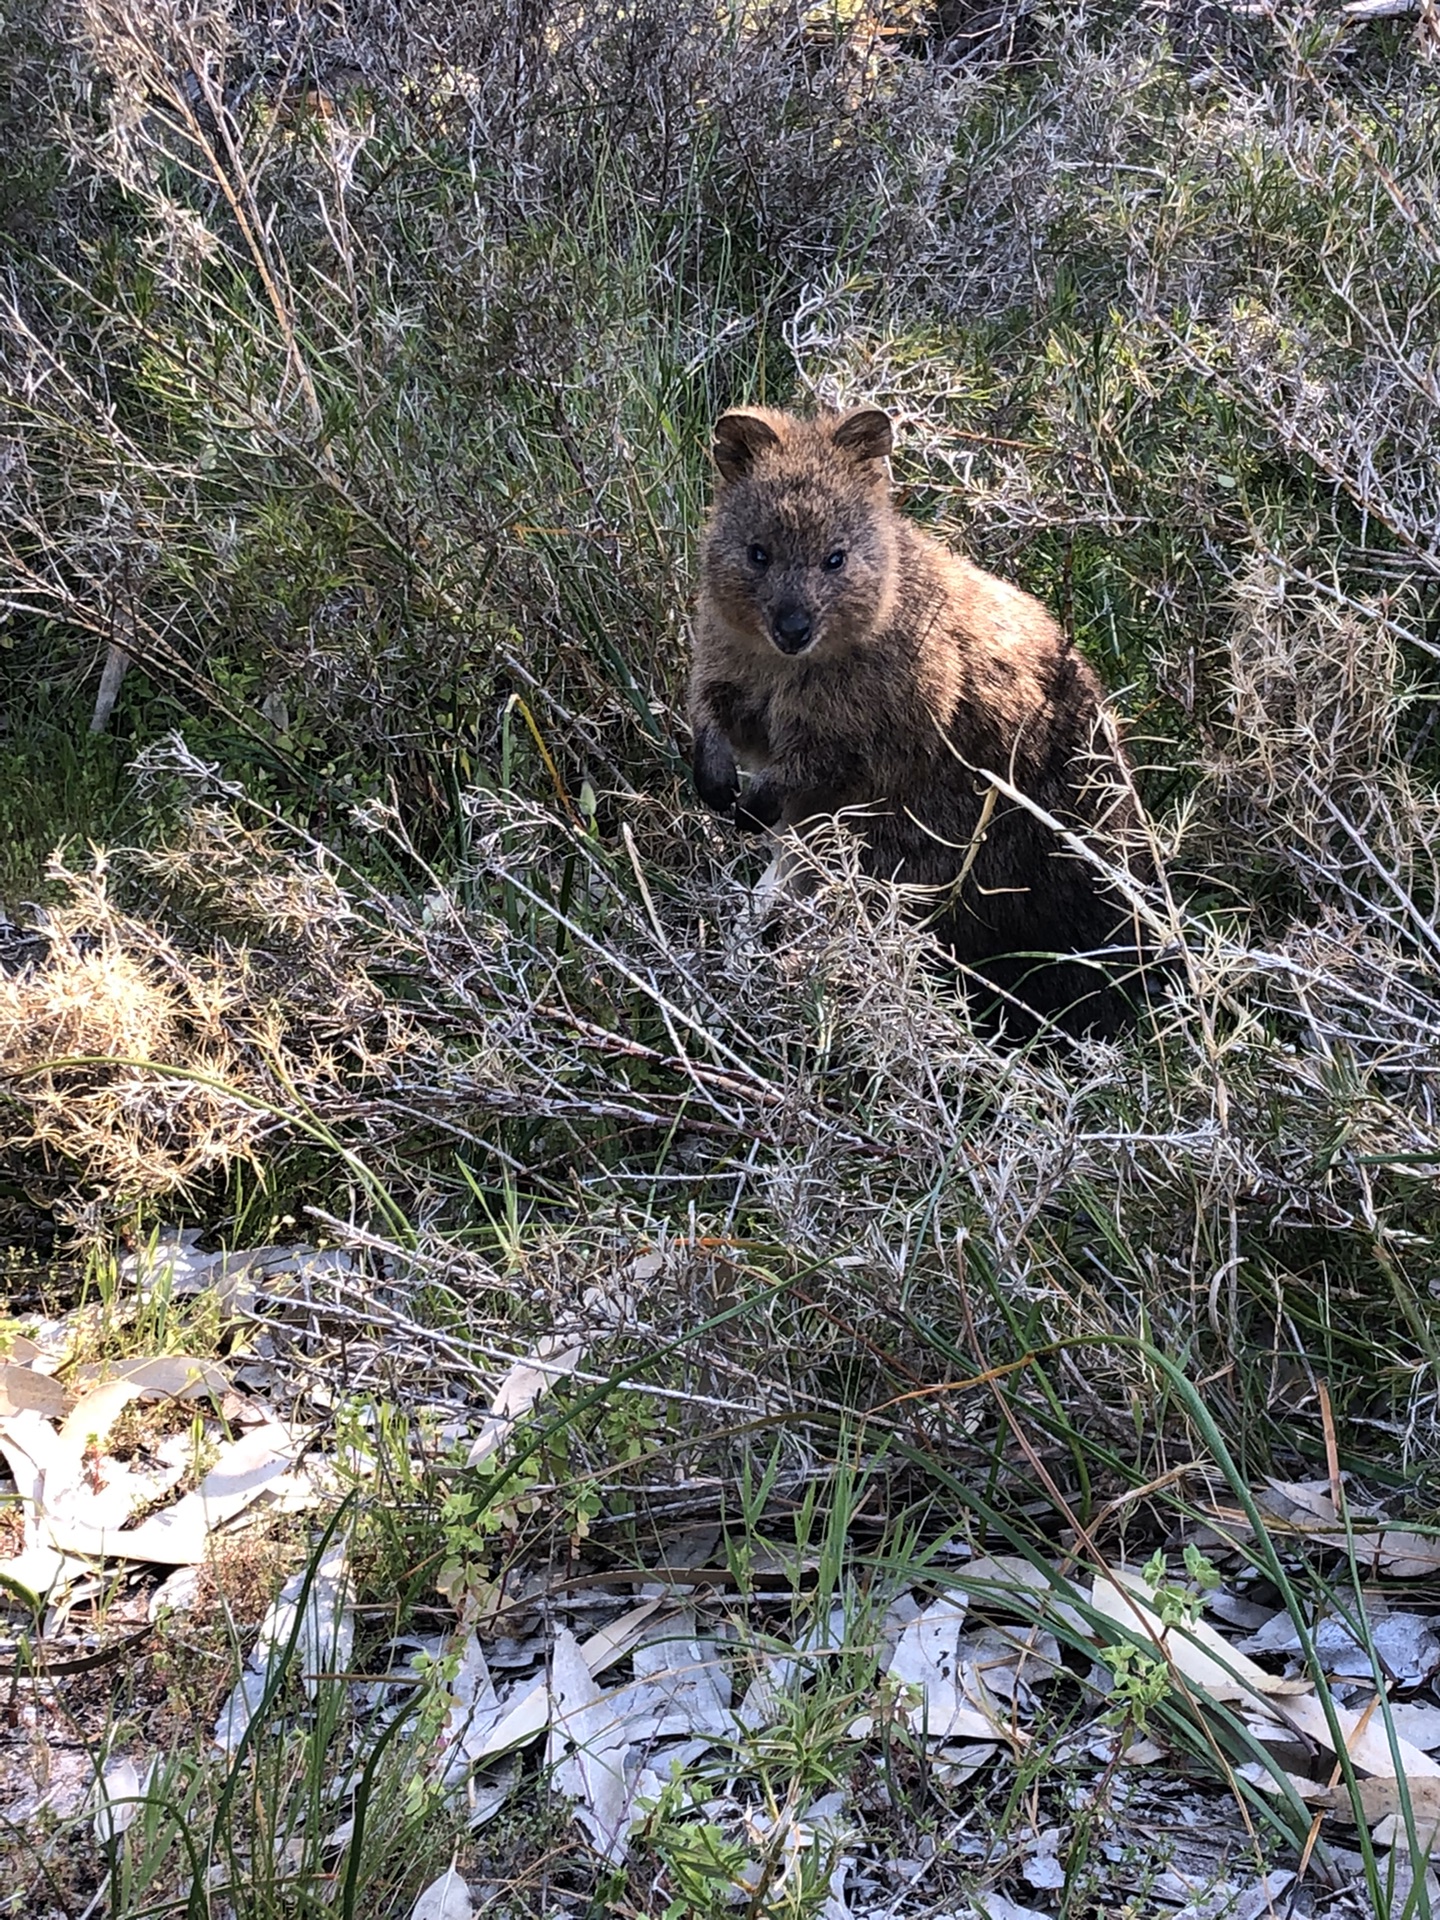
(717,778)
(759,807)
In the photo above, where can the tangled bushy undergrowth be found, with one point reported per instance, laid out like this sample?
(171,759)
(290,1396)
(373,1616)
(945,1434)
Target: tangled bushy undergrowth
(357,396)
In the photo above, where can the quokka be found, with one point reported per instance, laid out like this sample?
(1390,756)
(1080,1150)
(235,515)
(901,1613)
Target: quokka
(847,660)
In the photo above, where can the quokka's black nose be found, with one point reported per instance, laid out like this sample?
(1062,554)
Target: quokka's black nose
(791,628)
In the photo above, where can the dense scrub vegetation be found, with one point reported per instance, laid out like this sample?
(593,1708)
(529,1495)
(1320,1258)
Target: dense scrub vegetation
(357,386)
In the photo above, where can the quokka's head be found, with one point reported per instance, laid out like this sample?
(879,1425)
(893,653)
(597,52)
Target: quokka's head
(800,549)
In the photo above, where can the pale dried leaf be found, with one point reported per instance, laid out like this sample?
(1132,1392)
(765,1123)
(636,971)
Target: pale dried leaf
(1392,1832)
(21,1387)
(1418,1722)
(762,1703)
(1236,1611)
(447,1898)
(311,1483)
(27,1442)
(94,1493)
(117,1800)
(1001,1666)
(993,1576)
(474,1708)
(242,1703)
(55,1341)
(1406,1647)
(91,1418)
(1041,1866)
(953,1763)
(1225,1901)
(177,1593)
(685,1678)
(1380,1799)
(1291,1499)
(531,1713)
(1364,1735)
(1202,1655)
(177,1262)
(587,1747)
(526,1382)
(604,1648)
(1391,1550)
(321,1602)
(106,1492)
(1408,1556)
(1259,1775)
(172,1255)
(164,1376)
(1278,1634)
(180,1536)
(927,1661)
(485,1798)
(764,1697)
(40,1576)
(327,1628)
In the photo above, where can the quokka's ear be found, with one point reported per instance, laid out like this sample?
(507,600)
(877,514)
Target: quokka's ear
(864,432)
(739,438)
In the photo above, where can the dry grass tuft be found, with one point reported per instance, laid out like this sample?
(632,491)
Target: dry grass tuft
(117,1053)
(134,1062)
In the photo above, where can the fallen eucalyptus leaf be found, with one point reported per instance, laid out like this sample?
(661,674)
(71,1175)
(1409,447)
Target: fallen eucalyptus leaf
(447,1898)
(173,1376)
(682,1682)
(1380,1799)
(180,1536)
(1204,1657)
(587,1747)
(994,1577)
(927,1660)
(177,1593)
(90,1419)
(526,1382)
(1364,1736)
(39,1575)
(531,1713)
(117,1800)
(1418,1722)
(474,1707)
(22,1387)
(320,1598)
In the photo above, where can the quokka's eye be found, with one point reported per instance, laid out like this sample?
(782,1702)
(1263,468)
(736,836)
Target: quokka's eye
(834,561)
(759,556)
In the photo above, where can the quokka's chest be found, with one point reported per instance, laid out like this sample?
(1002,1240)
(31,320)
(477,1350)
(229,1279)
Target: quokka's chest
(857,700)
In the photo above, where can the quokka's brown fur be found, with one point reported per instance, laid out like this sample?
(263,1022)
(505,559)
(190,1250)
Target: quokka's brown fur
(847,660)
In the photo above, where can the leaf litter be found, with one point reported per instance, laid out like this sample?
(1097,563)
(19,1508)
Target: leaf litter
(961,1673)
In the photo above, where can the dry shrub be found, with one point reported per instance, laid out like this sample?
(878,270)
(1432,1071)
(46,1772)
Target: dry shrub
(135,1060)
(90,1040)
(600,1022)
(1308,765)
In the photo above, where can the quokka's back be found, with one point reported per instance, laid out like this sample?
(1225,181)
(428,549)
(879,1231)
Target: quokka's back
(845,659)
